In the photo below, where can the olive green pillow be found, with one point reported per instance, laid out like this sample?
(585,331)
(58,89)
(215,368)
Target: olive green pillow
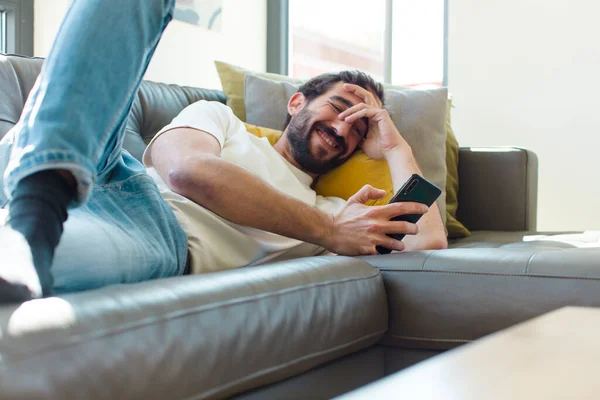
(232,79)
(453,226)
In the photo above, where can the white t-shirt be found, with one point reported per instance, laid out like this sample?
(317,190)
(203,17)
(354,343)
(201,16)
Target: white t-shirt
(214,242)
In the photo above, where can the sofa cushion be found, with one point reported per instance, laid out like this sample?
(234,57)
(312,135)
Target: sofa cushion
(490,239)
(419,114)
(202,336)
(232,80)
(17,75)
(440,299)
(155,105)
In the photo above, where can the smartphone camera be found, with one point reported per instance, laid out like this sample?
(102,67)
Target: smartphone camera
(411,186)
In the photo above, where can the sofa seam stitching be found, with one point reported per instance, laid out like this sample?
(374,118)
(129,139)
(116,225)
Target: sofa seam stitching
(430,339)
(425,260)
(529,262)
(492,274)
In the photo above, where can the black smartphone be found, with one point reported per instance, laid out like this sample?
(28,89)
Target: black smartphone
(416,189)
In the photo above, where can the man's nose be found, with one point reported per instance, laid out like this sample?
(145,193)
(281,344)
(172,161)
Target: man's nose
(342,128)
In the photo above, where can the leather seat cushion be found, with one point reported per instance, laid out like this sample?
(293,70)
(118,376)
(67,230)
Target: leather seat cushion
(440,299)
(200,336)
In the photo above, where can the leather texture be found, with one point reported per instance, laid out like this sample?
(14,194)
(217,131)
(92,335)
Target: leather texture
(204,336)
(497,189)
(492,239)
(155,105)
(442,299)
(329,380)
(17,77)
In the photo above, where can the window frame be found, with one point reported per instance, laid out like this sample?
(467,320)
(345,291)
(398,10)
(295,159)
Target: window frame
(278,39)
(18,15)
(3,31)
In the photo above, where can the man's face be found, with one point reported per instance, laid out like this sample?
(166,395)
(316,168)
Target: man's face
(319,140)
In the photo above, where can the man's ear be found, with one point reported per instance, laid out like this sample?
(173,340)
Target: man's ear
(296,103)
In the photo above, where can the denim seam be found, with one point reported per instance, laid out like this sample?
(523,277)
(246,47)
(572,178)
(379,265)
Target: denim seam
(126,180)
(32,163)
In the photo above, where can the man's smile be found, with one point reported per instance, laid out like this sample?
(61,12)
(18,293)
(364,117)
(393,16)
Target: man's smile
(327,139)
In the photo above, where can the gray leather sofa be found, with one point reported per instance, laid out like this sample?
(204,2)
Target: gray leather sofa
(308,328)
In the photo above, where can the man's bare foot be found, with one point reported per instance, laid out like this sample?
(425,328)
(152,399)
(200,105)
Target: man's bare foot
(18,278)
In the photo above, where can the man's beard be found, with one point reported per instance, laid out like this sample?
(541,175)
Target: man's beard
(299,134)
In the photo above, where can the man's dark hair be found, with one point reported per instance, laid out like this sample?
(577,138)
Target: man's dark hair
(322,83)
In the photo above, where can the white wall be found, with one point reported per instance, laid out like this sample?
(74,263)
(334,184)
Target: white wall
(526,73)
(47,15)
(186,52)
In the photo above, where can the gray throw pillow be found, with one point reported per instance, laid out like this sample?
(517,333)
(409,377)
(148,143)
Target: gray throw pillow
(419,115)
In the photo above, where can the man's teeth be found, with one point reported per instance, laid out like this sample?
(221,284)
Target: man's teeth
(326,138)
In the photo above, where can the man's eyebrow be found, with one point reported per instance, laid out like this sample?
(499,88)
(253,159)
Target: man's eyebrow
(342,100)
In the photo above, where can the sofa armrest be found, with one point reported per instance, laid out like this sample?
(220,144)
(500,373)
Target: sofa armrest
(497,189)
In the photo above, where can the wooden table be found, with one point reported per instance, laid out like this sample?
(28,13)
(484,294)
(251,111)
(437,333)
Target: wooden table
(554,356)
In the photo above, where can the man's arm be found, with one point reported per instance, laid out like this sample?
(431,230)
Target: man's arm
(432,234)
(189,162)
(385,142)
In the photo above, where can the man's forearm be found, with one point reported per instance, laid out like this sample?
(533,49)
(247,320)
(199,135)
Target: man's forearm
(241,197)
(432,234)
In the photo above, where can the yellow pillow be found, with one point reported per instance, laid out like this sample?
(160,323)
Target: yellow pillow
(359,170)
(359,167)
(272,135)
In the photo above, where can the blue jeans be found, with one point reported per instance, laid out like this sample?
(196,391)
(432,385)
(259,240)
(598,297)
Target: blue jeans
(119,229)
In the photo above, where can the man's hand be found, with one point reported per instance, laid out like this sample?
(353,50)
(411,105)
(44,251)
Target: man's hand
(382,138)
(358,229)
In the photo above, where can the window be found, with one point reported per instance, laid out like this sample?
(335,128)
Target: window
(3,28)
(16,27)
(397,41)
(330,35)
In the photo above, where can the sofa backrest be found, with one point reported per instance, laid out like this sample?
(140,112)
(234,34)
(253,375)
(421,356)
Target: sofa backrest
(155,105)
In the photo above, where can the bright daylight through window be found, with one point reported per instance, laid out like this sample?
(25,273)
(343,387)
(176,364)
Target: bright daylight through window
(3,28)
(349,34)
